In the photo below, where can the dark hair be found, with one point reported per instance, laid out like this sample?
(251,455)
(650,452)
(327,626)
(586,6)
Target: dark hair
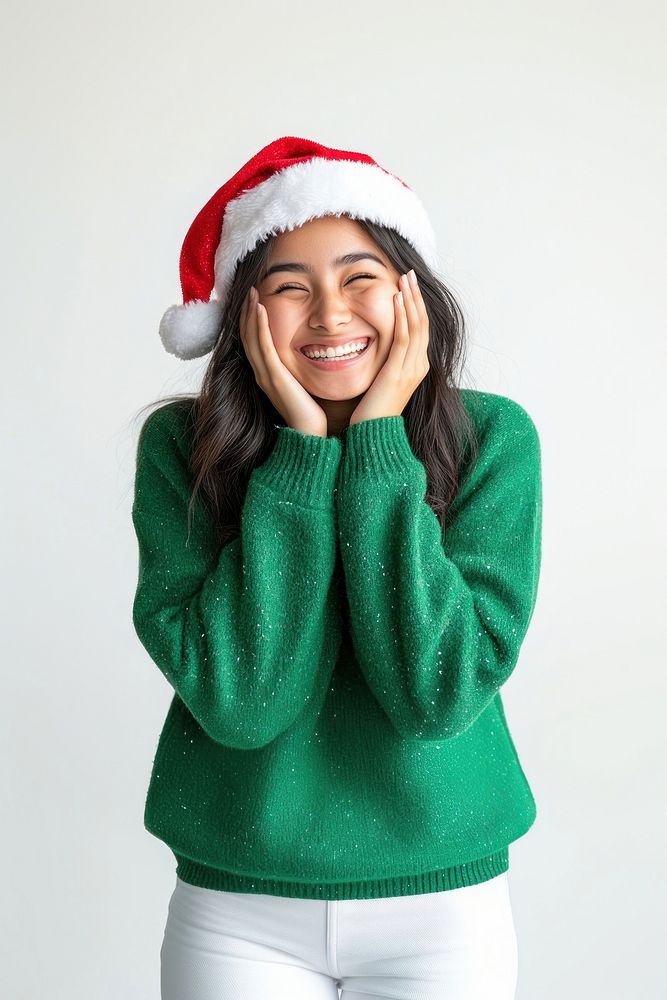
(235,424)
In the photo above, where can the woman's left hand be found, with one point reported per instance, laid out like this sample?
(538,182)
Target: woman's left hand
(407,363)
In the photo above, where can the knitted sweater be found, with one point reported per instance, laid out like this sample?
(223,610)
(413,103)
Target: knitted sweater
(336,729)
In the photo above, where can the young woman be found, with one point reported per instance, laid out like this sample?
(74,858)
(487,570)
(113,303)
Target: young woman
(339,553)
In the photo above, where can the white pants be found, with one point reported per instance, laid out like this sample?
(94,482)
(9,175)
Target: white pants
(457,944)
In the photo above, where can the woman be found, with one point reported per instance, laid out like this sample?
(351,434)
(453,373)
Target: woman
(339,554)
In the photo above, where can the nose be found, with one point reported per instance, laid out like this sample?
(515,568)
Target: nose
(330,310)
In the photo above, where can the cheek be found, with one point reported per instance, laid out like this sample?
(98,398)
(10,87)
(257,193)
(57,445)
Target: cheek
(378,309)
(282,325)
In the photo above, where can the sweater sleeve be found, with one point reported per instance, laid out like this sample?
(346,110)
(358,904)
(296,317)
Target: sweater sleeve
(437,623)
(247,632)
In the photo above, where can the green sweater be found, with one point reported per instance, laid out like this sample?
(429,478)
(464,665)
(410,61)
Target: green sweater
(336,729)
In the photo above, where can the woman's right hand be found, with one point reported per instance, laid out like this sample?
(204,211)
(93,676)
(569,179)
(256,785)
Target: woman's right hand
(286,393)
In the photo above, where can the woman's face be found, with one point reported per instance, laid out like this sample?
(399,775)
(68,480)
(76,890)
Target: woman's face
(330,304)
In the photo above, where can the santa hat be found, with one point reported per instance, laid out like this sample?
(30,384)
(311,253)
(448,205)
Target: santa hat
(287,183)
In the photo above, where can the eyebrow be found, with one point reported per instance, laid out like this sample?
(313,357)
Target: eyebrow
(348,258)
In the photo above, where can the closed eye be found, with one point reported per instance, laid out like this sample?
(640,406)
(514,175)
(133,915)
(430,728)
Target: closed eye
(281,288)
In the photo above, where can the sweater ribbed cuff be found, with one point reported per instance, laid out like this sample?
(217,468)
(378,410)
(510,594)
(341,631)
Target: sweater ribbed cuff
(302,468)
(379,446)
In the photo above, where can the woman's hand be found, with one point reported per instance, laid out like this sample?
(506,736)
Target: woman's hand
(285,392)
(407,363)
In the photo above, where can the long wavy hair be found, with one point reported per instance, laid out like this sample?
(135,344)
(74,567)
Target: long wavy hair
(234,424)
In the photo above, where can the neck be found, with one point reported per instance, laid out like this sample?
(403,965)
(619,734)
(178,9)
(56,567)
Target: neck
(338,413)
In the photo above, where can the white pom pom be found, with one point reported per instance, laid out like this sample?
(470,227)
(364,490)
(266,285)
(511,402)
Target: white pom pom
(191,330)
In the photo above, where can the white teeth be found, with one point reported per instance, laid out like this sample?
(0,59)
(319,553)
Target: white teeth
(338,352)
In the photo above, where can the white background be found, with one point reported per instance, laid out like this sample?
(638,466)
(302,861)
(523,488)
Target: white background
(534,133)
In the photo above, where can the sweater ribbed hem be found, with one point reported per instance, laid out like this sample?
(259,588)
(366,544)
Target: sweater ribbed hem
(301,468)
(442,879)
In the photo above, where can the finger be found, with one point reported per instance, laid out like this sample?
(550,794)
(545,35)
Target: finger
(267,349)
(401,331)
(251,339)
(418,326)
(418,298)
(415,342)
(410,307)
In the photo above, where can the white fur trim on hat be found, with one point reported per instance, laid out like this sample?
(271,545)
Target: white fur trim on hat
(313,189)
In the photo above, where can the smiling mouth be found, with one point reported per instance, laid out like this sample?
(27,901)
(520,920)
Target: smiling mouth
(337,358)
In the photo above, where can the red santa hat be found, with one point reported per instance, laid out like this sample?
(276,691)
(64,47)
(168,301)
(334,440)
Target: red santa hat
(287,183)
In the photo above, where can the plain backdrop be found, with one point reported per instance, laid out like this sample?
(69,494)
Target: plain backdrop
(534,134)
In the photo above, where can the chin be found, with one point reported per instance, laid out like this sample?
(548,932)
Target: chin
(340,397)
